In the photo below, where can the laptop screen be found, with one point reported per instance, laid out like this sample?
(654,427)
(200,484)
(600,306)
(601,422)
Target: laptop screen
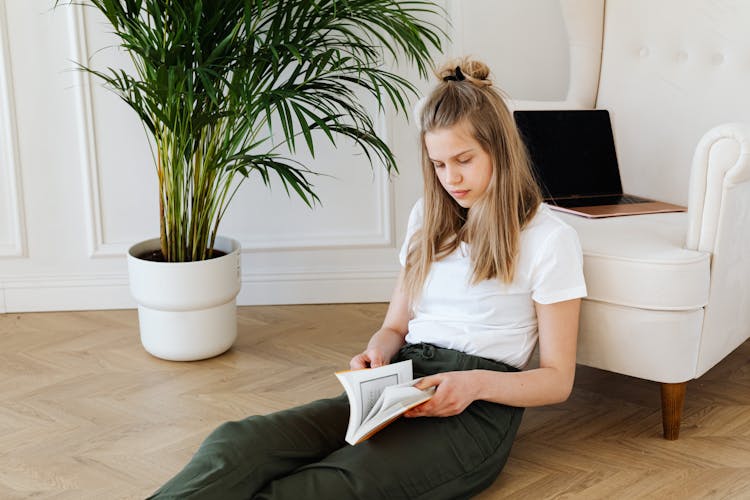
(572,152)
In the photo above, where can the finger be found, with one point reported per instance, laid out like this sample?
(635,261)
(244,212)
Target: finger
(423,410)
(427,382)
(414,412)
(376,361)
(358,362)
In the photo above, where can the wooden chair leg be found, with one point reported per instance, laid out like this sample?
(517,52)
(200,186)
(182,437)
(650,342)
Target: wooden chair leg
(672,401)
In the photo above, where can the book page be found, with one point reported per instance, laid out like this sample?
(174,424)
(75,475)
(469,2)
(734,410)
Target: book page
(370,390)
(401,394)
(387,415)
(365,386)
(394,394)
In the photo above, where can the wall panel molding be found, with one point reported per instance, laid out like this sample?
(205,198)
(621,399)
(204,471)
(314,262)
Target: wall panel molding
(381,237)
(87,139)
(9,162)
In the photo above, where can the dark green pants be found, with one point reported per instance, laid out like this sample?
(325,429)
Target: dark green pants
(300,453)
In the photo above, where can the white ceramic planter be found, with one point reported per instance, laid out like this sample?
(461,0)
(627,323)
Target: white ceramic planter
(186,310)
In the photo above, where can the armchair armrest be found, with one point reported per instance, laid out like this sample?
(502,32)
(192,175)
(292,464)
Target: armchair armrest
(719,223)
(718,179)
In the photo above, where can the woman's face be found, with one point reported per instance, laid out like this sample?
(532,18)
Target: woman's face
(462,166)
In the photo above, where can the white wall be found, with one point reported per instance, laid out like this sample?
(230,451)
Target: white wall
(77,187)
(523,42)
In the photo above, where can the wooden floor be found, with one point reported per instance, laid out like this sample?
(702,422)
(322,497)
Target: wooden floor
(86,413)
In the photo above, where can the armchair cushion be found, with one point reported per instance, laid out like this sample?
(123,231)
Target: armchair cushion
(640,261)
(662,346)
(646,296)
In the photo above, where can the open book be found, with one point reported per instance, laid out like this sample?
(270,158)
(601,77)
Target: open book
(378,396)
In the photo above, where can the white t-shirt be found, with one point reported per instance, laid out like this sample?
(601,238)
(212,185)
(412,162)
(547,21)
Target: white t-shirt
(493,319)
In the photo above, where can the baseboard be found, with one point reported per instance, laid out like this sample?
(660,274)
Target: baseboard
(317,288)
(67,293)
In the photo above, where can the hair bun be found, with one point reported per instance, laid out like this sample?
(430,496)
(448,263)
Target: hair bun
(467,69)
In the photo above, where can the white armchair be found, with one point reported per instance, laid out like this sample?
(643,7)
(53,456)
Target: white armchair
(669,294)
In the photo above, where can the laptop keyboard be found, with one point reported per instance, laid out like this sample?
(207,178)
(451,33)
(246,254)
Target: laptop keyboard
(624,199)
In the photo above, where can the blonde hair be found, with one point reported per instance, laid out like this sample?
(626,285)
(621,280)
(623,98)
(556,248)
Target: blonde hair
(493,226)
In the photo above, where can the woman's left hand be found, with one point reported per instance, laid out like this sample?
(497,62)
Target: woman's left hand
(455,391)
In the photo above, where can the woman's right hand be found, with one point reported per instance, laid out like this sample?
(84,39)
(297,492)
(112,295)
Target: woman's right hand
(372,357)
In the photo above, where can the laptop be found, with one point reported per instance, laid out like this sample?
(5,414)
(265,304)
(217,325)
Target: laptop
(574,161)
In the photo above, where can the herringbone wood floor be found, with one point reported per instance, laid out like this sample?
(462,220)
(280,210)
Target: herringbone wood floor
(86,413)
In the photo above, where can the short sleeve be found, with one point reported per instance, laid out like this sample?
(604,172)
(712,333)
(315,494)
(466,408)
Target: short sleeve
(415,222)
(558,270)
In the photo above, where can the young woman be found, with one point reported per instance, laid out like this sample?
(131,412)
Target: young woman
(487,272)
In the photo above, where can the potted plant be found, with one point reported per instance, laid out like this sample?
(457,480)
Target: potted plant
(211,76)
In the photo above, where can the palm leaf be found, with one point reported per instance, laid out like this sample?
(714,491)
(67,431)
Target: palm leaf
(212,76)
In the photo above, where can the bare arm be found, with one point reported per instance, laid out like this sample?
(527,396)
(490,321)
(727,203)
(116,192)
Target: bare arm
(550,383)
(386,342)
